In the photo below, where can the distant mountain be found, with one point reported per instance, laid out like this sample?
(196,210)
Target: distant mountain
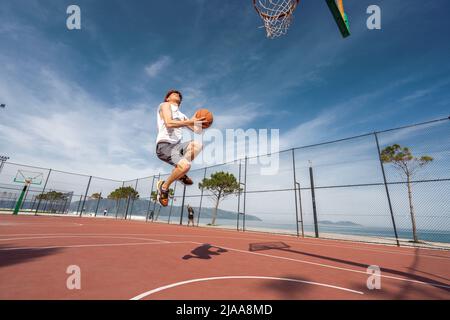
(340,223)
(141,207)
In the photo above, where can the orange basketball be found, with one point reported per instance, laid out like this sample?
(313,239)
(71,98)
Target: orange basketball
(207,114)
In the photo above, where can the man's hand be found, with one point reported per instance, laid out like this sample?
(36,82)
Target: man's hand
(197,126)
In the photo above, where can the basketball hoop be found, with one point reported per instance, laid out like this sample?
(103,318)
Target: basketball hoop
(28,177)
(276,14)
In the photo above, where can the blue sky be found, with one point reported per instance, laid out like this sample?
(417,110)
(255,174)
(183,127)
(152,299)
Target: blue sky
(85,100)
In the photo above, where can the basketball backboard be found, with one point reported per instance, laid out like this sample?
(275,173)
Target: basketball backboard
(28,177)
(339,15)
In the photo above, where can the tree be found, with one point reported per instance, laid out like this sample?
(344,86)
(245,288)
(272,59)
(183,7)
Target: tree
(123,193)
(407,165)
(52,197)
(220,185)
(96,196)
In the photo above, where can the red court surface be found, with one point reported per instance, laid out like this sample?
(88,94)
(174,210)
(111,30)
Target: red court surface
(137,260)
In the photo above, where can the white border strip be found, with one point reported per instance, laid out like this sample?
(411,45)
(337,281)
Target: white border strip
(92,245)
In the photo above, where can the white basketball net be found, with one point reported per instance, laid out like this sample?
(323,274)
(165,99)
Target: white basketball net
(276,14)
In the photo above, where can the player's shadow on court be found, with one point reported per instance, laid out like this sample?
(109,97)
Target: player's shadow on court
(15,256)
(205,251)
(281,246)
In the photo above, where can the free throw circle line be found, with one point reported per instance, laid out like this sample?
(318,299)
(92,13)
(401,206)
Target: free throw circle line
(177,284)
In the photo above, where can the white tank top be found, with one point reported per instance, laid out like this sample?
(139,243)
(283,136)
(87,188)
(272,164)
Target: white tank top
(171,135)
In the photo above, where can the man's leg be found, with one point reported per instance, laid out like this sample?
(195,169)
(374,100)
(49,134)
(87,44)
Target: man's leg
(184,165)
(180,170)
(193,150)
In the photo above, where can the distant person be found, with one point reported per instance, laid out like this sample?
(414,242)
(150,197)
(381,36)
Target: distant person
(105,212)
(190,215)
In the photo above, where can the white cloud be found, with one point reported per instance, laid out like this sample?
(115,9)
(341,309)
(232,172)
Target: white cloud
(238,116)
(309,132)
(416,95)
(420,93)
(157,66)
(58,124)
(55,123)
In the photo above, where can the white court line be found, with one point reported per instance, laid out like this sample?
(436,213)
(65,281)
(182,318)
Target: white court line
(381,251)
(293,237)
(347,244)
(231,249)
(83,236)
(92,245)
(341,241)
(330,266)
(20,224)
(146,294)
(259,239)
(310,243)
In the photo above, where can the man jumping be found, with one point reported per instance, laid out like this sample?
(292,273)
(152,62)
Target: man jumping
(169,147)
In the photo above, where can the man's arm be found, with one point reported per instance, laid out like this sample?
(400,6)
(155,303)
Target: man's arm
(166,114)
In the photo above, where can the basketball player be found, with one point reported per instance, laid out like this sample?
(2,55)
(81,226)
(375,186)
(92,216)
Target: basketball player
(169,147)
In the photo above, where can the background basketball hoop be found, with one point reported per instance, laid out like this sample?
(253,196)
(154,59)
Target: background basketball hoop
(27,178)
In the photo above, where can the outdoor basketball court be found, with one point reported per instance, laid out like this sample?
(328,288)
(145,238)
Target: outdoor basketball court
(135,260)
(293,86)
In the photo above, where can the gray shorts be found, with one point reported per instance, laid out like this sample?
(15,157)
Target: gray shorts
(171,153)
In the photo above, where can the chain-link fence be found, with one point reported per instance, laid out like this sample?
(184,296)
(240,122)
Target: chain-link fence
(364,188)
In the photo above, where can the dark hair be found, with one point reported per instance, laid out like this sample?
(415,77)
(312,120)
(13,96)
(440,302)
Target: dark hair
(173,91)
